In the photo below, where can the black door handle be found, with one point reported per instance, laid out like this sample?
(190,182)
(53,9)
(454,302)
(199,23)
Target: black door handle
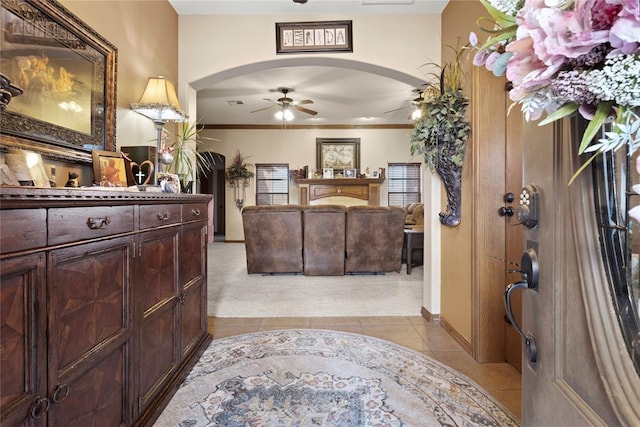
(529,273)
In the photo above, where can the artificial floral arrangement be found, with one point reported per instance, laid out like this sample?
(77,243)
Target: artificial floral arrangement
(441,133)
(238,168)
(442,130)
(568,56)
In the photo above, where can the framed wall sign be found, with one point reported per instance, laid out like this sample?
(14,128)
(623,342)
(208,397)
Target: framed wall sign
(338,153)
(67,73)
(321,36)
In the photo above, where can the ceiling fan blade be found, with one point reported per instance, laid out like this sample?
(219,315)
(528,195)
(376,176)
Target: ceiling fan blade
(306,110)
(262,109)
(397,109)
(304,101)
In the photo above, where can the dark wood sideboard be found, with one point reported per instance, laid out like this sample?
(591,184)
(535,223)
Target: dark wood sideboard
(367,189)
(103,303)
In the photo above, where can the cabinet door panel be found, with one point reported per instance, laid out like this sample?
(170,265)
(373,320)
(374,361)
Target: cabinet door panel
(22,337)
(97,398)
(157,275)
(89,300)
(193,252)
(193,319)
(156,288)
(158,351)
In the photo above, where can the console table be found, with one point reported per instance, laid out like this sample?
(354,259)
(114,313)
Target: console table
(104,297)
(367,189)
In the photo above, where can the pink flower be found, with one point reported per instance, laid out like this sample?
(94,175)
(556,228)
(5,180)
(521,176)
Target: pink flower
(625,31)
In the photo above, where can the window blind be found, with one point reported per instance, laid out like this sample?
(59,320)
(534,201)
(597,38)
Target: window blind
(404,183)
(272,184)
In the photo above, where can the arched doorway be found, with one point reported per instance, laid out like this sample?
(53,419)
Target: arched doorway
(212,182)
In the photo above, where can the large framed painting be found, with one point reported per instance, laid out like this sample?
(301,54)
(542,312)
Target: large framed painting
(338,153)
(67,73)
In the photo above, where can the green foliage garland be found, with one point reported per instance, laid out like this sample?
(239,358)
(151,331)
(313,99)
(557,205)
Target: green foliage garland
(442,131)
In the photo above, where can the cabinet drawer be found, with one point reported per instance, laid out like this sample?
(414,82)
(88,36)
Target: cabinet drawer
(157,215)
(23,229)
(194,212)
(73,224)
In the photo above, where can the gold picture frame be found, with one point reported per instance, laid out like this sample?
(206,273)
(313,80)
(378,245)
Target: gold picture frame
(109,169)
(68,104)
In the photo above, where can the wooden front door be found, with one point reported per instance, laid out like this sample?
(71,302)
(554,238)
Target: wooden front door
(563,386)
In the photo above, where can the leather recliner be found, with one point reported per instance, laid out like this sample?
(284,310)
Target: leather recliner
(323,240)
(374,237)
(273,238)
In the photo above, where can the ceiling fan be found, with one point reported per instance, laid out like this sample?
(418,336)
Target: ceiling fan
(286,104)
(416,103)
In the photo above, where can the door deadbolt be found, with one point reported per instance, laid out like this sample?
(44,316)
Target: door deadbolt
(528,210)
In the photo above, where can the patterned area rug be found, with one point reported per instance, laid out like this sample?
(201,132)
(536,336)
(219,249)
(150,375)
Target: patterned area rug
(326,378)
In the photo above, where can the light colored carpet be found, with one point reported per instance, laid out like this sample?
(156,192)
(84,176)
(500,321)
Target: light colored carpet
(234,293)
(326,378)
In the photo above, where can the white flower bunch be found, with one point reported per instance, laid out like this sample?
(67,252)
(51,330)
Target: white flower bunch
(618,80)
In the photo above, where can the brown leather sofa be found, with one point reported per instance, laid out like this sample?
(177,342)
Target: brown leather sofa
(374,239)
(273,238)
(323,240)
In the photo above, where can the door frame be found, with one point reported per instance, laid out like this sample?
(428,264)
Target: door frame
(489,137)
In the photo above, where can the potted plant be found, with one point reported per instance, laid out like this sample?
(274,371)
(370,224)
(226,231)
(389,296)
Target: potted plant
(182,154)
(238,174)
(441,133)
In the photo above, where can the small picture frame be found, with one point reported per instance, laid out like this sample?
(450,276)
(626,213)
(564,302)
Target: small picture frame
(350,173)
(28,168)
(109,169)
(327,173)
(374,174)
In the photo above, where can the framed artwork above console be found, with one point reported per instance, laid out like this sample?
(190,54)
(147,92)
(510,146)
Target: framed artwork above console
(338,154)
(67,73)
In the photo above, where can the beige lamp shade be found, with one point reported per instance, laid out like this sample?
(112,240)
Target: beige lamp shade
(159,101)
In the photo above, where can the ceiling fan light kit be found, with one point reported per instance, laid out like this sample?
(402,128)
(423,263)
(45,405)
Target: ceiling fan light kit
(285,114)
(285,105)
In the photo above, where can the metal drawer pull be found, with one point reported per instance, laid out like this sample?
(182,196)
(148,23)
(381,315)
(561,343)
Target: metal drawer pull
(40,408)
(61,392)
(98,223)
(195,212)
(163,216)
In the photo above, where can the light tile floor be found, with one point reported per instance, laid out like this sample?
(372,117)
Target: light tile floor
(500,379)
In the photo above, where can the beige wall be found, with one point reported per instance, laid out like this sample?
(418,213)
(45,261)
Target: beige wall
(298,148)
(402,43)
(146,35)
(458,19)
(399,42)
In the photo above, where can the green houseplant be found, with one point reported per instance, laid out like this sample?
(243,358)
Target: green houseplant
(183,157)
(441,133)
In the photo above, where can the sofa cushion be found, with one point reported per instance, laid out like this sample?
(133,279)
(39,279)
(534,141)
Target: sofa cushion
(323,240)
(374,237)
(273,238)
